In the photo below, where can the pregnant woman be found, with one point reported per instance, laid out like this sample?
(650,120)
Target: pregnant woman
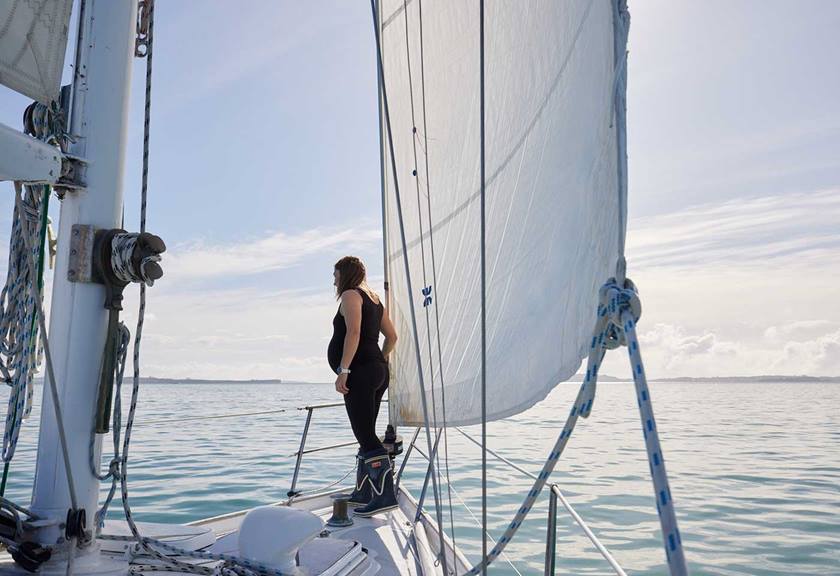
(354,355)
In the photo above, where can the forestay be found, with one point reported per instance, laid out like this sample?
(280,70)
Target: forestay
(33,39)
(553,195)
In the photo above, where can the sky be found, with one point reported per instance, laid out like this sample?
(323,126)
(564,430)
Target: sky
(265,170)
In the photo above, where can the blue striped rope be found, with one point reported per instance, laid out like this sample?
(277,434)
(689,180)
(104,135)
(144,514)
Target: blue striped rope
(18,326)
(618,313)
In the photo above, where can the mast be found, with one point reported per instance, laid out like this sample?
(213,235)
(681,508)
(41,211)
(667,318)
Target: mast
(78,322)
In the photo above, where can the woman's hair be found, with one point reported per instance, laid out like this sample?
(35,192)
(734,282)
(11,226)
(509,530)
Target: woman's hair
(351,274)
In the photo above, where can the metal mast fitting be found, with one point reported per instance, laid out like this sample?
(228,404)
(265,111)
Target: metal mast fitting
(113,258)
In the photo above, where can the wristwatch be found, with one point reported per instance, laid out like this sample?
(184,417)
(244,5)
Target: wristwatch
(341,370)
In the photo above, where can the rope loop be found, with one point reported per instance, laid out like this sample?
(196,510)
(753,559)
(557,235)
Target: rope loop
(614,299)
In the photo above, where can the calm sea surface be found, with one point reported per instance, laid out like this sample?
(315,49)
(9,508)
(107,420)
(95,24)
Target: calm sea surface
(754,468)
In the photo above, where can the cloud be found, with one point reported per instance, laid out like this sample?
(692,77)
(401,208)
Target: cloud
(739,288)
(734,288)
(671,351)
(820,355)
(757,233)
(278,250)
(676,352)
(799,331)
(237,333)
(811,345)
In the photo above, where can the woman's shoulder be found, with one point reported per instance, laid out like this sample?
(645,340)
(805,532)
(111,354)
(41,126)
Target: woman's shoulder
(372,296)
(351,295)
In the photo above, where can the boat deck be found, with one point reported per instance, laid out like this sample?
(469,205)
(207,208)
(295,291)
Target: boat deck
(385,545)
(388,538)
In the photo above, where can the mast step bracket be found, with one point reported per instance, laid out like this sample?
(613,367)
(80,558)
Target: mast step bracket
(80,268)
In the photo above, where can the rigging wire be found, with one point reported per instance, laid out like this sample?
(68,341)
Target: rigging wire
(418,355)
(483,306)
(230,565)
(147,544)
(478,523)
(434,467)
(148,13)
(425,149)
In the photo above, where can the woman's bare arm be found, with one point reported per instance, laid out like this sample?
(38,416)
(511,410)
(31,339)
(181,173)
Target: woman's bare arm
(390,333)
(351,309)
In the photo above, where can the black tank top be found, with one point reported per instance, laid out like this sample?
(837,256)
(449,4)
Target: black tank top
(368,350)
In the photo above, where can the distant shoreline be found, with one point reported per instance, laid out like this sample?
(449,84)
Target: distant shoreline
(576,379)
(764,379)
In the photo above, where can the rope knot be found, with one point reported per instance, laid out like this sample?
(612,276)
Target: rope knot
(614,299)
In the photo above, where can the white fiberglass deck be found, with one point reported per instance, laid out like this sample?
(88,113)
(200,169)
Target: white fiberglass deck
(384,545)
(388,538)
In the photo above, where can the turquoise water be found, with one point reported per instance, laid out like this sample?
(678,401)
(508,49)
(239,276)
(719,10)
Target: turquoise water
(755,470)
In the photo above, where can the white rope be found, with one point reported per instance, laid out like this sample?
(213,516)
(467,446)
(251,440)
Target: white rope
(122,248)
(20,352)
(19,349)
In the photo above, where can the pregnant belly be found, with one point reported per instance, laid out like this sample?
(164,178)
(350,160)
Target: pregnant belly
(334,352)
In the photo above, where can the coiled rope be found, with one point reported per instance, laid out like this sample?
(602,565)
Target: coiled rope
(122,248)
(20,352)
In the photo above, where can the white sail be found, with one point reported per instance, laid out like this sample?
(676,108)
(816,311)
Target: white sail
(554,152)
(33,39)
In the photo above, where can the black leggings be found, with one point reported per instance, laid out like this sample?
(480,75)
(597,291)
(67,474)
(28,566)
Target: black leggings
(367,384)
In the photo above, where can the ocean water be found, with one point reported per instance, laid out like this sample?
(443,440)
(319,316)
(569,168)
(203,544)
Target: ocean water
(754,469)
